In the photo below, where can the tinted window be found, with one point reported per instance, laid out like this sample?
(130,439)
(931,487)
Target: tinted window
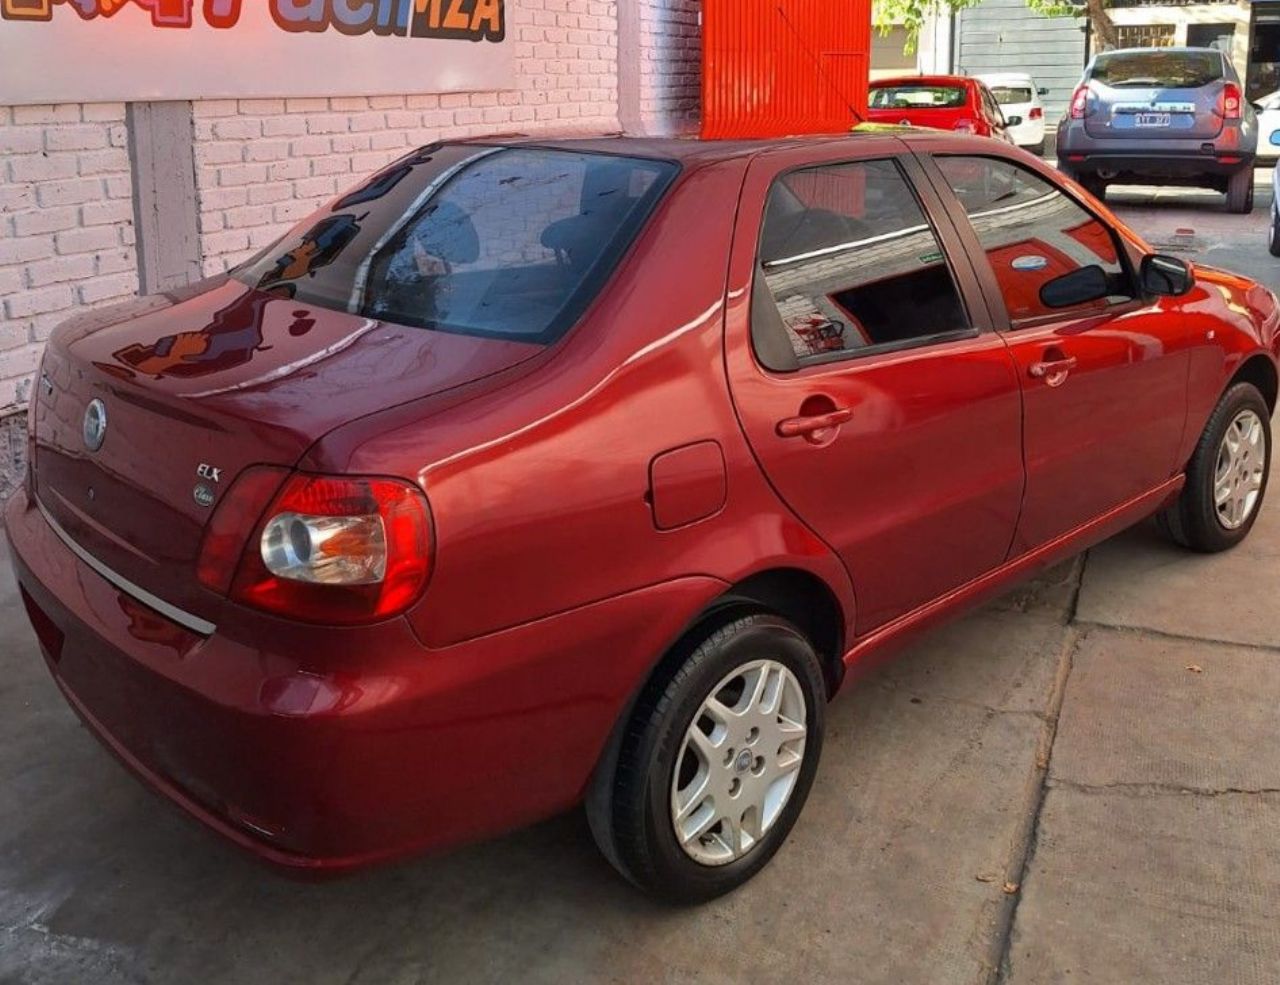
(917,97)
(506,242)
(1153,67)
(1034,235)
(1006,95)
(850,262)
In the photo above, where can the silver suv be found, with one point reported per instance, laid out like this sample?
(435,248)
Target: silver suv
(1165,116)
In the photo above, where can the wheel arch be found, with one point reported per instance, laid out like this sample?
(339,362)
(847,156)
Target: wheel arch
(1259,370)
(797,595)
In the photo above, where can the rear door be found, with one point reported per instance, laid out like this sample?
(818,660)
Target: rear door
(1104,380)
(1155,93)
(880,404)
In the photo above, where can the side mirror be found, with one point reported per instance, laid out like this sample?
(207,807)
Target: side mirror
(1013,121)
(1165,276)
(1080,286)
(1042,91)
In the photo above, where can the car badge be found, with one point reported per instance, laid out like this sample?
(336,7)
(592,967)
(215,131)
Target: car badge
(203,495)
(209,472)
(94,429)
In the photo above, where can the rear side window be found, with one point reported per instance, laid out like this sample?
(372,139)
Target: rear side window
(1153,67)
(918,97)
(1039,242)
(506,242)
(848,264)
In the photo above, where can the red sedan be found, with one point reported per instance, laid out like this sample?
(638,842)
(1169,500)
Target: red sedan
(526,474)
(940,102)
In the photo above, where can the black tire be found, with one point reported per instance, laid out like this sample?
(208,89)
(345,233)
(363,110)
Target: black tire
(1273,232)
(1193,519)
(1240,192)
(629,807)
(1036,149)
(1095,186)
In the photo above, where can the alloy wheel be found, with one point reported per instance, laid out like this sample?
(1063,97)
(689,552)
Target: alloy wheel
(739,762)
(1240,469)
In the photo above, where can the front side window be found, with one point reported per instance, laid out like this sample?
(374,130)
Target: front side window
(849,263)
(1048,253)
(504,242)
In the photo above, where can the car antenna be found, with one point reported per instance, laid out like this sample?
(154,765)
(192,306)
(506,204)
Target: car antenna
(818,62)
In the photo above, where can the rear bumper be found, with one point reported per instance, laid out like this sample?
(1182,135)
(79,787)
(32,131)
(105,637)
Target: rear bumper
(332,751)
(1174,157)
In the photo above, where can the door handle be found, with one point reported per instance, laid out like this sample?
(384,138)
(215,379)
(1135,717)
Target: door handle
(1054,371)
(795,427)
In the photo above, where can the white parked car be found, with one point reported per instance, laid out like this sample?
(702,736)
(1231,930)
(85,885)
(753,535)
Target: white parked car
(1268,108)
(1273,230)
(1019,99)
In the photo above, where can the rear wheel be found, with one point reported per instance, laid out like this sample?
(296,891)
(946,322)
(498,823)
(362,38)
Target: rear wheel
(1037,149)
(715,764)
(1094,185)
(1240,192)
(1227,475)
(1273,231)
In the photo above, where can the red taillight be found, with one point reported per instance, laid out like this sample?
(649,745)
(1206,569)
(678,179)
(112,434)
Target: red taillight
(1079,101)
(1036,113)
(1229,102)
(235,517)
(328,549)
(965,126)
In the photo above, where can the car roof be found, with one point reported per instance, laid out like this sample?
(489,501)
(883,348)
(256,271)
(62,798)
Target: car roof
(686,149)
(990,77)
(1146,51)
(923,80)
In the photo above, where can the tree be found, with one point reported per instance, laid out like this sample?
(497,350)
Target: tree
(913,14)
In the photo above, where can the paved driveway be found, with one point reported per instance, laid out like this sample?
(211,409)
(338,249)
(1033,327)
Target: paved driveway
(1079,783)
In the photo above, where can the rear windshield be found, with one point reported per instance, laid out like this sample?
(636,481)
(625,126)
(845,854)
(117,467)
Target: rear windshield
(1007,95)
(505,242)
(918,97)
(1168,69)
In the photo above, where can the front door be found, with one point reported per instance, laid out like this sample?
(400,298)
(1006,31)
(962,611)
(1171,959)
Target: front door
(1104,376)
(883,410)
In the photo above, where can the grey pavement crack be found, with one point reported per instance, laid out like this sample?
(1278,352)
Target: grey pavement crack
(1156,789)
(1090,624)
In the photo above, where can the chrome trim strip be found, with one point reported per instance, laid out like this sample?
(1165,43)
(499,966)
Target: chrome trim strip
(181,617)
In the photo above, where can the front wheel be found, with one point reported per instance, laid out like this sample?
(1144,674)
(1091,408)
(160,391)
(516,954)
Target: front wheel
(1227,475)
(1240,192)
(716,763)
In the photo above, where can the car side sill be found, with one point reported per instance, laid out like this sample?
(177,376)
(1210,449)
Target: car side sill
(867,650)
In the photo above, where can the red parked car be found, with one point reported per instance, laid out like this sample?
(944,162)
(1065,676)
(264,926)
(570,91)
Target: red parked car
(940,102)
(532,473)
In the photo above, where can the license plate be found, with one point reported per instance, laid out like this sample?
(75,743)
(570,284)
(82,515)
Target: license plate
(1151,120)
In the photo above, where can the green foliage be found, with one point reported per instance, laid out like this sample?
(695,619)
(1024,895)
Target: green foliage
(912,14)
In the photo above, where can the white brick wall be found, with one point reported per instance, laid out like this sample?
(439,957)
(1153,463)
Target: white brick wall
(66,226)
(671,66)
(66,215)
(262,164)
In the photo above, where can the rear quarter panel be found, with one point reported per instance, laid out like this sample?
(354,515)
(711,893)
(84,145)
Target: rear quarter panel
(539,482)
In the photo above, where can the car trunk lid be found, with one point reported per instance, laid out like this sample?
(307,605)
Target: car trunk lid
(195,389)
(1153,112)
